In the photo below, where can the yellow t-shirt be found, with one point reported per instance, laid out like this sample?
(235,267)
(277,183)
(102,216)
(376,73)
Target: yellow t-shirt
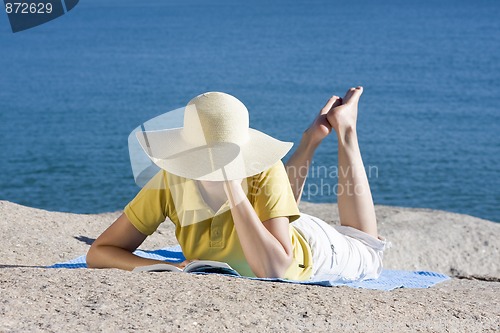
(207,235)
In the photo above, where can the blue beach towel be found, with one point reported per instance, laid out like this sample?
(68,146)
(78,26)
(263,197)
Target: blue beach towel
(388,280)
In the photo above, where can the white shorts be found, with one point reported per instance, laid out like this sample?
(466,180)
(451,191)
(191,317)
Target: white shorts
(341,253)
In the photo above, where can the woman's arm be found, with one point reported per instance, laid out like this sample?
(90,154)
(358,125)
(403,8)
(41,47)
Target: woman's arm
(267,246)
(113,249)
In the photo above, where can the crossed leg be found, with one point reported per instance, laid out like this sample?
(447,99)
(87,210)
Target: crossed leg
(354,197)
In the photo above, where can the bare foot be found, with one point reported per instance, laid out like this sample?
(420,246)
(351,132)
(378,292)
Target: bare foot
(320,128)
(343,118)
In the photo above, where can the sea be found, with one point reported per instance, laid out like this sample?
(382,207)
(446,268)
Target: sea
(73,89)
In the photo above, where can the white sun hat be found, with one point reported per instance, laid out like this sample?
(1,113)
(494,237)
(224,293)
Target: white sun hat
(215,143)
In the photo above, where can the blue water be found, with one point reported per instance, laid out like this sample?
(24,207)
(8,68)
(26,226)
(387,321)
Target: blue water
(72,90)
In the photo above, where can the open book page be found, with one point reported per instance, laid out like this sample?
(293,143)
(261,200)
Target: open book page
(197,266)
(209,266)
(157,268)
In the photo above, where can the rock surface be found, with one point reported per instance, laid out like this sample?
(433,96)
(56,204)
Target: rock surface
(36,299)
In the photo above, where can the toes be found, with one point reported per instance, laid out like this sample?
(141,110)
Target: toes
(353,94)
(337,101)
(333,99)
(332,102)
(348,94)
(356,94)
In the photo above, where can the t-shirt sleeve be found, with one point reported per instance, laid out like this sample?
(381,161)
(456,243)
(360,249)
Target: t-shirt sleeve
(149,207)
(273,194)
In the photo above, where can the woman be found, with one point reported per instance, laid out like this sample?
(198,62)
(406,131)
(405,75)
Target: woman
(231,199)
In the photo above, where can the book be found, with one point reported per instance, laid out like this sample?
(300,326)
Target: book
(196,266)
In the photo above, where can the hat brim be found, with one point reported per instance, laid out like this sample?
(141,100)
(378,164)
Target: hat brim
(212,162)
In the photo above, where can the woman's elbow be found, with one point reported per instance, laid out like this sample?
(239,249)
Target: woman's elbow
(278,270)
(284,267)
